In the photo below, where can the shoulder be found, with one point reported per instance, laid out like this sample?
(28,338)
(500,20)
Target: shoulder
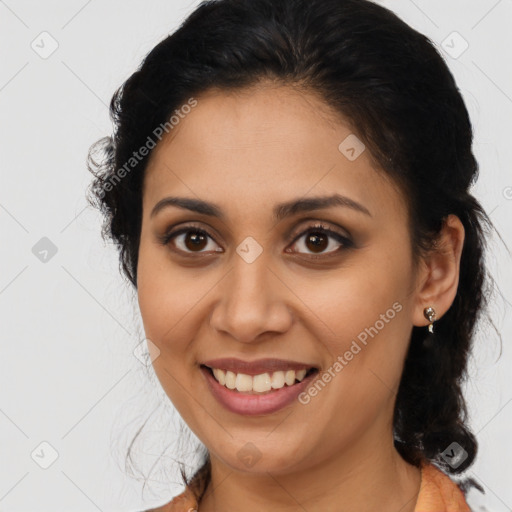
(184,502)
(439,492)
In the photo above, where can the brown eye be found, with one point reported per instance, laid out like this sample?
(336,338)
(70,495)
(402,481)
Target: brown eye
(316,242)
(318,238)
(189,240)
(319,241)
(194,240)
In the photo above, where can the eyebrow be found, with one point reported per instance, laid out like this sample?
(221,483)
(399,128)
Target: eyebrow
(280,210)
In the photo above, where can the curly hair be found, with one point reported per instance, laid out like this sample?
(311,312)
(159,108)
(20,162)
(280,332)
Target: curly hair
(401,100)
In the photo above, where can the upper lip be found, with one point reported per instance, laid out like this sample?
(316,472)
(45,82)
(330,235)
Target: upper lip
(256,367)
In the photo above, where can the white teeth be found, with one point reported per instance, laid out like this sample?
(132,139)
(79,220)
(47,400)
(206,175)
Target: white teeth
(289,377)
(243,382)
(230,380)
(300,374)
(277,380)
(261,383)
(220,375)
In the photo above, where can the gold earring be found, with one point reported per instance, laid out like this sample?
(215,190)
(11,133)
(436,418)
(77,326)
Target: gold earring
(430,314)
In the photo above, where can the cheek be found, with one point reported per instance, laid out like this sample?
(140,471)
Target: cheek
(354,298)
(167,293)
(361,315)
(166,298)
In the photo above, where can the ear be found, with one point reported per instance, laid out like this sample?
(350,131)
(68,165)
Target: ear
(438,277)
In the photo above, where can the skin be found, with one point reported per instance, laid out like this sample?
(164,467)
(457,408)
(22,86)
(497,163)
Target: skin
(247,151)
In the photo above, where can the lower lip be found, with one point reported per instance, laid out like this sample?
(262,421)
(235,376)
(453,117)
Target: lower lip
(251,405)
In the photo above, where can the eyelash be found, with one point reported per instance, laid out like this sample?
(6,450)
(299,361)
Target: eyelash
(346,243)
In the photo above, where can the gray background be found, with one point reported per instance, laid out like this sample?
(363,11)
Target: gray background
(70,324)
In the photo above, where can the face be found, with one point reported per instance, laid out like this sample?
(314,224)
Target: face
(252,285)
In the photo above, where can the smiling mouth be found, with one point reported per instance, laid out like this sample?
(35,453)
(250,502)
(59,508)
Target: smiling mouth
(264,383)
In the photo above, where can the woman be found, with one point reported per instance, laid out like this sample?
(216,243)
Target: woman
(289,185)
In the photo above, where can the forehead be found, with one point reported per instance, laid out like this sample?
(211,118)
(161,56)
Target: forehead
(259,146)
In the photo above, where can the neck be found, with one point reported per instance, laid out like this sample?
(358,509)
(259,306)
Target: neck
(366,477)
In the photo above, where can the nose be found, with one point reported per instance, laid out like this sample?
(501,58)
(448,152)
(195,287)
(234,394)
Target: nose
(253,300)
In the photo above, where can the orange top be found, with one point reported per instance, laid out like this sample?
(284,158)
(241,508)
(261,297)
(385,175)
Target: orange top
(438,493)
